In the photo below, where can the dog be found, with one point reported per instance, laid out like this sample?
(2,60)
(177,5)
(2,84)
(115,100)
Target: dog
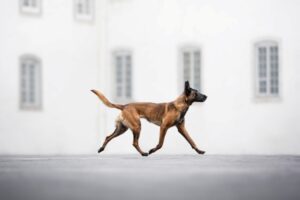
(164,115)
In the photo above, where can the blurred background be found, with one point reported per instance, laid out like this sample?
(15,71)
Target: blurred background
(244,55)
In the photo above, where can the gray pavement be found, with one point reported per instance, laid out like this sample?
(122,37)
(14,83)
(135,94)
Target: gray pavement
(182,177)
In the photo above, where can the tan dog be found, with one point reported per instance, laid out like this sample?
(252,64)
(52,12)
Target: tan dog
(164,115)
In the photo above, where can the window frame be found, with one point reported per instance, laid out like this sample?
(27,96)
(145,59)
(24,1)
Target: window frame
(35,11)
(190,48)
(84,17)
(268,95)
(123,53)
(38,104)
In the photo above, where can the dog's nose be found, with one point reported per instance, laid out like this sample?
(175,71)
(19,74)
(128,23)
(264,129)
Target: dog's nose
(204,97)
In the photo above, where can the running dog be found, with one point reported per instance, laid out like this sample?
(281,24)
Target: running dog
(164,115)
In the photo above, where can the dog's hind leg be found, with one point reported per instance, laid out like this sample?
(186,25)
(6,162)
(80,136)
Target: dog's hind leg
(136,130)
(136,134)
(120,129)
(131,119)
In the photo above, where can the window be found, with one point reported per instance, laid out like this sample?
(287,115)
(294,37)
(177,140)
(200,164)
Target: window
(30,82)
(123,75)
(191,66)
(30,6)
(267,69)
(84,9)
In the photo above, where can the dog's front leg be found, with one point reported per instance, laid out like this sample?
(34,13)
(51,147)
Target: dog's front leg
(162,134)
(185,134)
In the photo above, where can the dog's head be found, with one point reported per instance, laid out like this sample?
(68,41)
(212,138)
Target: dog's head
(193,95)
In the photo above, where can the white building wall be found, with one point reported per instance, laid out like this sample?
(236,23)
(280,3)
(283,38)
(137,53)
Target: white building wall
(77,56)
(232,120)
(68,49)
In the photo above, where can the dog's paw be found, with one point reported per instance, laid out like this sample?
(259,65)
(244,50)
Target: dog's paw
(152,151)
(145,154)
(100,150)
(200,151)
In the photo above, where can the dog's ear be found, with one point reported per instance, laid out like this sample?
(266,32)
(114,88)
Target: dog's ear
(187,88)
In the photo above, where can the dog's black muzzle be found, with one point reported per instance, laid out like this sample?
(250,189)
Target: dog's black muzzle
(201,97)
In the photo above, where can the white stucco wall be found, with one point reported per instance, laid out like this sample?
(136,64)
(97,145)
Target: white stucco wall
(232,120)
(76,56)
(68,50)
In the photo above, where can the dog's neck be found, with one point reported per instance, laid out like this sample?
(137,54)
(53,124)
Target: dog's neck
(181,103)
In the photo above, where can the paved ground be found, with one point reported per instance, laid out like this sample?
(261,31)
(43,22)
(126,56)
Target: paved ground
(133,177)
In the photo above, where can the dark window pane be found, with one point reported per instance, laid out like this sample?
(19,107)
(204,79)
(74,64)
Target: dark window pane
(197,69)
(186,66)
(274,69)
(119,76)
(128,76)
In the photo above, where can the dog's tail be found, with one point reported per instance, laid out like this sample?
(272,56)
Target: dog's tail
(106,101)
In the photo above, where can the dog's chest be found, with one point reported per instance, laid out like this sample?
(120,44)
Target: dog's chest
(180,117)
